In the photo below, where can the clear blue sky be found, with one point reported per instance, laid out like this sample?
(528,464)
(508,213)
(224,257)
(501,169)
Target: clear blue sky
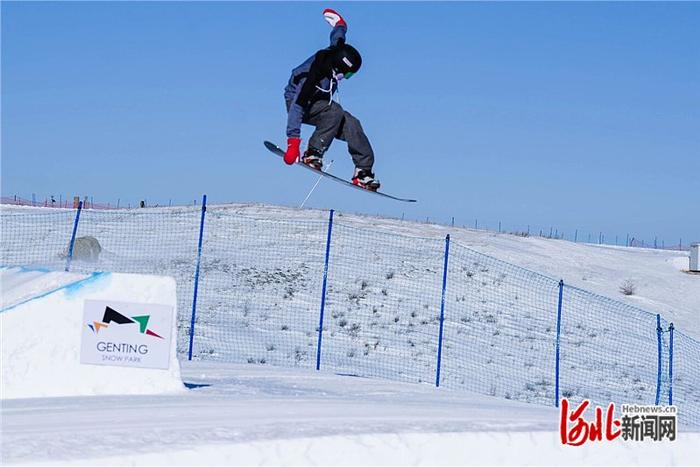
(573,115)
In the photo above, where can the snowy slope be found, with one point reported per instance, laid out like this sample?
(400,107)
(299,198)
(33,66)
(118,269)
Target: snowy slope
(260,414)
(20,285)
(40,343)
(260,284)
(252,415)
(662,286)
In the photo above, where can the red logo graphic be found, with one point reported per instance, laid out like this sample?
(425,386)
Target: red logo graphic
(575,430)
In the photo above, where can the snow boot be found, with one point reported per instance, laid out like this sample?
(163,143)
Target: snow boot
(364,178)
(313,158)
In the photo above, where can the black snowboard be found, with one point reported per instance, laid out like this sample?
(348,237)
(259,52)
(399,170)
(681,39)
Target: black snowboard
(278,151)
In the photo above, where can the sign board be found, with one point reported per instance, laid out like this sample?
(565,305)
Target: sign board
(126,334)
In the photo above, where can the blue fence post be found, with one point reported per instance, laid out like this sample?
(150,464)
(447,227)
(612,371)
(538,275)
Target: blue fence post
(323,291)
(670,365)
(196,275)
(72,238)
(556,365)
(658,366)
(442,310)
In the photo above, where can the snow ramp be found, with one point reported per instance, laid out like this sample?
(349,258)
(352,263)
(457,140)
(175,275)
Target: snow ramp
(67,334)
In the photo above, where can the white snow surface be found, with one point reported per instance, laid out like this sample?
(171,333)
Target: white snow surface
(662,282)
(41,322)
(260,287)
(252,415)
(20,284)
(662,285)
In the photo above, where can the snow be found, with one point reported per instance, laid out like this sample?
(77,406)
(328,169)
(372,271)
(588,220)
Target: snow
(22,284)
(262,415)
(463,448)
(42,321)
(662,286)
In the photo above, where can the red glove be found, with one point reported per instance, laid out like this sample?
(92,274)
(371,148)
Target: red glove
(292,154)
(333,18)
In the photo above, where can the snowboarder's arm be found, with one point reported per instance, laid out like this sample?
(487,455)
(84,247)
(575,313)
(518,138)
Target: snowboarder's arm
(338,35)
(300,101)
(319,69)
(340,27)
(294,118)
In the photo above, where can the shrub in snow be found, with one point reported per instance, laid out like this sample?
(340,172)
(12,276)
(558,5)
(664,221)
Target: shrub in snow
(628,287)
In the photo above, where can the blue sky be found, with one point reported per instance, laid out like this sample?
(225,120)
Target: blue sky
(574,115)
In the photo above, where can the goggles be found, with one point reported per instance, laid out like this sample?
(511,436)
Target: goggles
(341,76)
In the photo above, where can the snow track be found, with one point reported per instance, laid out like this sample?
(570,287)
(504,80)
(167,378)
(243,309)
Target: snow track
(253,415)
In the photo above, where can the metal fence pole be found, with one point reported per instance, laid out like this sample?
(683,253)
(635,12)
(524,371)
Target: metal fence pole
(670,365)
(323,291)
(72,238)
(442,309)
(196,275)
(556,369)
(658,367)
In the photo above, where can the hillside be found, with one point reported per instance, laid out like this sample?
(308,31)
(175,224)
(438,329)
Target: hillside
(662,286)
(261,281)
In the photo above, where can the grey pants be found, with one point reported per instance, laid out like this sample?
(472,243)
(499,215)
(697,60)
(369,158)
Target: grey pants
(331,121)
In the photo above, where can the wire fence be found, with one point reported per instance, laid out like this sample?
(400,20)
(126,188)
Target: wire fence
(52,202)
(329,295)
(550,232)
(501,328)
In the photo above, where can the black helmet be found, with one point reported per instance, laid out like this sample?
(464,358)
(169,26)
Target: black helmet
(347,60)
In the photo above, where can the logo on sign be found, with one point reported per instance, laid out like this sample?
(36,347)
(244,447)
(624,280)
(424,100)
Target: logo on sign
(126,334)
(113,316)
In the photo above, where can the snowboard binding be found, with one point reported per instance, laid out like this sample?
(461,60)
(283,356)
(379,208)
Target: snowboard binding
(313,159)
(364,178)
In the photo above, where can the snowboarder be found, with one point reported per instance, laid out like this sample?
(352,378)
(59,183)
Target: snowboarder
(309,99)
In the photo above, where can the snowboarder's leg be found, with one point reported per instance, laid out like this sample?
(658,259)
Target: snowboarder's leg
(361,151)
(331,121)
(351,132)
(327,119)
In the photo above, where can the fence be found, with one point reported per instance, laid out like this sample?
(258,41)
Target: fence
(576,236)
(333,295)
(52,202)
(88,203)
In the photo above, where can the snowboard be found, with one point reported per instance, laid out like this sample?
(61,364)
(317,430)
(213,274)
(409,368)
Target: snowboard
(273,148)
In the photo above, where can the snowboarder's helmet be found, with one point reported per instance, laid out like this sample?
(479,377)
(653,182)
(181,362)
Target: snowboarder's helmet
(347,60)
